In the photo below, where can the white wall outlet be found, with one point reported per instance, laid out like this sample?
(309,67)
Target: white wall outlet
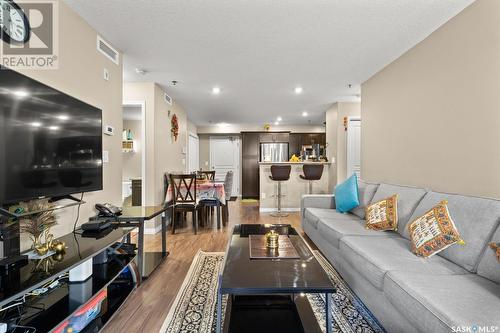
(109,130)
(263,195)
(105,156)
(206,163)
(105,74)
(183,161)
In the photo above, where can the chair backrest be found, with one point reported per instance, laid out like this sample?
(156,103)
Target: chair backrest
(166,183)
(312,171)
(210,175)
(228,184)
(183,188)
(280,172)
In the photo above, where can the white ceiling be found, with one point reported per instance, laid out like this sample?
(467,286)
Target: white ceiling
(258,51)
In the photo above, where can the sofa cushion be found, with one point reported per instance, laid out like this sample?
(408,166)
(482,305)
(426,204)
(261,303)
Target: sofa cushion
(346,195)
(433,232)
(366,191)
(489,266)
(408,199)
(333,230)
(437,303)
(383,215)
(475,218)
(313,215)
(373,257)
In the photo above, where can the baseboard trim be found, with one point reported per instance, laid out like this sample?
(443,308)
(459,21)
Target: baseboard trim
(271,210)
(152,231)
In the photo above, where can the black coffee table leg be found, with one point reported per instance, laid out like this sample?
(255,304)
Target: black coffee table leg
(328,313)
(219,307)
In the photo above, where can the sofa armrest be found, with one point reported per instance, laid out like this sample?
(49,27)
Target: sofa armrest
(326,201)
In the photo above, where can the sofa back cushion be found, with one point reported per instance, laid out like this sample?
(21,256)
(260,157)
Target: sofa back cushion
(475,218)
(366,191)
(408,199)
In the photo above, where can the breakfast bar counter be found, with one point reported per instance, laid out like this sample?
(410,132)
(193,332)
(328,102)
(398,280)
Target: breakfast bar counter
(292,189)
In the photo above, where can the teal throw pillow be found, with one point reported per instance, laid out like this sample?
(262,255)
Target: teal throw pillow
(346,195)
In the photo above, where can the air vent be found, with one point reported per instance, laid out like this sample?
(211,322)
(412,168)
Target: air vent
(106,49)
(168,99)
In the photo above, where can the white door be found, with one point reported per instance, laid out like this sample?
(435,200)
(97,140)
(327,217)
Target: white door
(354,147)
(193,152)
(224,157)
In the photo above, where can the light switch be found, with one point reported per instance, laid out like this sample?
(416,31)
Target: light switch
(105,156)
(183,161)
(206,163)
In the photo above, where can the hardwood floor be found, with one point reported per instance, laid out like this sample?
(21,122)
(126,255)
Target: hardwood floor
(148,306)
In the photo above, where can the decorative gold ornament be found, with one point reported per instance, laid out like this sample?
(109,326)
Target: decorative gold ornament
(267,127)
(58,247)
(272,238)
(38,225)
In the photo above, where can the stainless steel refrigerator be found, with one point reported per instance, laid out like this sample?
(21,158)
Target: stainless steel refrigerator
(274,152)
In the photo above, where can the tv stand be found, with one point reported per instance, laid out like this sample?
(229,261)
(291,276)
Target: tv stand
(62,197)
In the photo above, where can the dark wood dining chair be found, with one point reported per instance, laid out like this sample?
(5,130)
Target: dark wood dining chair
(209,175)
(184,197)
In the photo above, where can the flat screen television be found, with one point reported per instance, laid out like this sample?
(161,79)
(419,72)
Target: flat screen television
(50,142)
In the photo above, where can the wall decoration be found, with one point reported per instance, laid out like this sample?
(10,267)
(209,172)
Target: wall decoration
(346,122)
(175,127)
(267,127)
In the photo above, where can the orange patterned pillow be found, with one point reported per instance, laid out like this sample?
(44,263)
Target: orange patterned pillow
(383,215)
(433,232)
(496,248)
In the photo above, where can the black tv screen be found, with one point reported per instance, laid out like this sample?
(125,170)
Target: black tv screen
(50,143)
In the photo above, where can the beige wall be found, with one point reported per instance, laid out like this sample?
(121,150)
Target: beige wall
(132,161)
(336,137)
(432,117)
(163,153)
(238,128)
(80,75)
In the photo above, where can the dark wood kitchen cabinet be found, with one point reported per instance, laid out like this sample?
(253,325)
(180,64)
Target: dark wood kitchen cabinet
(250,149)
(297,140)
(271,137)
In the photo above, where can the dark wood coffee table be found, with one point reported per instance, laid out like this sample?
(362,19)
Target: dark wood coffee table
(268,295)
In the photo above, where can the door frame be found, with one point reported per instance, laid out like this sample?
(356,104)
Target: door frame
(192,135)
(236,138)
(142,105)
(348,140)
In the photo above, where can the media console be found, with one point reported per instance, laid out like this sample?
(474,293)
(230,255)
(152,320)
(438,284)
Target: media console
(40,296)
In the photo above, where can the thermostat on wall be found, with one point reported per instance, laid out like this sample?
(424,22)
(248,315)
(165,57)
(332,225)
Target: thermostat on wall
(109,130)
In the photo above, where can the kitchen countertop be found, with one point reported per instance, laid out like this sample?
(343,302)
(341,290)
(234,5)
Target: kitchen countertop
(303,162)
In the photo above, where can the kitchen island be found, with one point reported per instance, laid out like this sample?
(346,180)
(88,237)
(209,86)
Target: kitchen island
(292,189)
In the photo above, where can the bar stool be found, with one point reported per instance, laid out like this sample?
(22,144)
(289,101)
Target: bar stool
(312,172)
(280,173)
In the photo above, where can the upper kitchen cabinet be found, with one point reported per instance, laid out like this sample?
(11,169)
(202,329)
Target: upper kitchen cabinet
(269,137)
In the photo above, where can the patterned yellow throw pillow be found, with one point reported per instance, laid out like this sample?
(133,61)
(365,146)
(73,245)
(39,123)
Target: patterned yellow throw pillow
(383,215)
(433,232)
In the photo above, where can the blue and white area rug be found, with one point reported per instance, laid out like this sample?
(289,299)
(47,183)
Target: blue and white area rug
(194,309)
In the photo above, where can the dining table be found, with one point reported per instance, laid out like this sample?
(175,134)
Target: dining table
(207,191)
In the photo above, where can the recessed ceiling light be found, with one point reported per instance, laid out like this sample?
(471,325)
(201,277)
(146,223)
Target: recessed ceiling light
(298,90)
(36,124)
(63,117)
(215,90)
(279,119)
(53,128)
(276,123)
(304,114)
(21,93)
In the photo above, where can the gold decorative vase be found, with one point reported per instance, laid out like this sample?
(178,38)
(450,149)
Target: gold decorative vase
(272,239)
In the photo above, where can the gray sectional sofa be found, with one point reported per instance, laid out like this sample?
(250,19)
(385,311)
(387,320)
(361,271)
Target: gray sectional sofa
(457,289)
